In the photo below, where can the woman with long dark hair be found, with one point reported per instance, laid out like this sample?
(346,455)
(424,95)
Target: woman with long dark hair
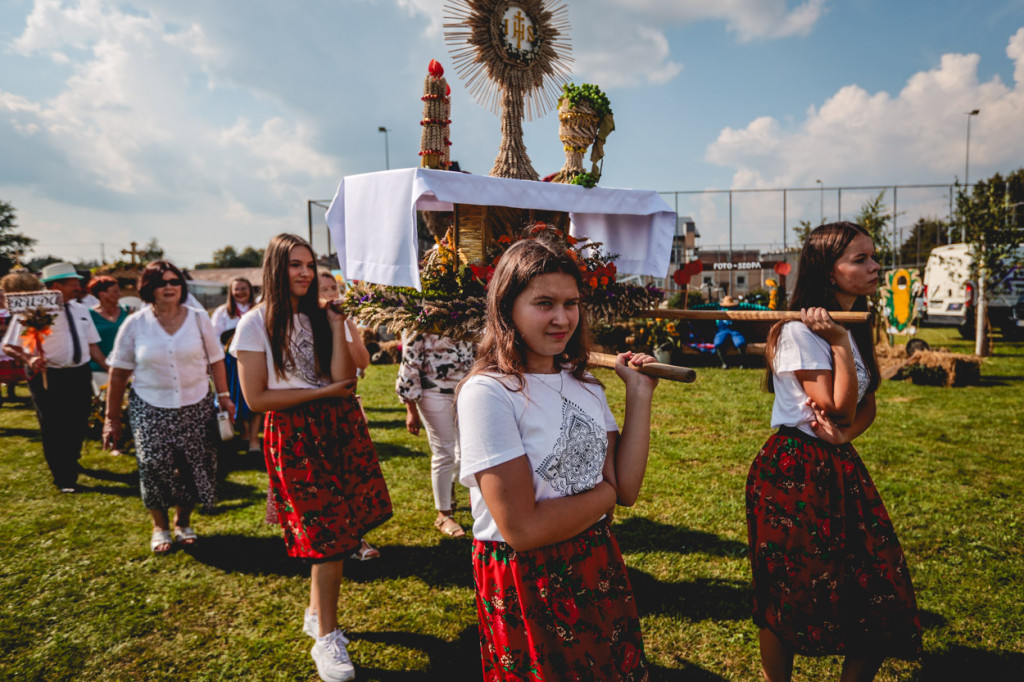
(324,475)
(546,465)
(829,574)
(241,299)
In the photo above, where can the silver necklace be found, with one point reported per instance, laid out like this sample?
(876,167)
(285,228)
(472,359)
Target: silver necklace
(561,383)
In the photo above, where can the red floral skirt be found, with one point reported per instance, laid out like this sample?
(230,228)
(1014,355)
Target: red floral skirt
(324,477)
(829,574)
(561,612)
(11,371)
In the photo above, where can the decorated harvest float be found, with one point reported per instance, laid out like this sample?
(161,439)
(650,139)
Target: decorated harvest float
(513,57)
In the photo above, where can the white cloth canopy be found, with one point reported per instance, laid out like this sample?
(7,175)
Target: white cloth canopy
(372,219)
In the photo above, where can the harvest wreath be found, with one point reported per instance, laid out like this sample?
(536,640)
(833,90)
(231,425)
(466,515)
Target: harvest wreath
(452,302)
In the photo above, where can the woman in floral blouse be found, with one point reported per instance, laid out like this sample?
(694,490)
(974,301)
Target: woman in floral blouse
(432,366)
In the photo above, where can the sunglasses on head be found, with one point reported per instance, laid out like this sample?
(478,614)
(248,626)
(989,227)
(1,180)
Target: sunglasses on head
(167,283)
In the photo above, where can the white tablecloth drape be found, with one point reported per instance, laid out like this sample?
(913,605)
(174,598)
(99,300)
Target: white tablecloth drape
(372,219)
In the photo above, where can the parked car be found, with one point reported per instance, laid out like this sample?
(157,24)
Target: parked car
(949,293)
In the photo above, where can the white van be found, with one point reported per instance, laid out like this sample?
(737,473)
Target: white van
(949,294)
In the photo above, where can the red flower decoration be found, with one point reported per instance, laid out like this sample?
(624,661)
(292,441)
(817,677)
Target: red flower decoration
(435,68)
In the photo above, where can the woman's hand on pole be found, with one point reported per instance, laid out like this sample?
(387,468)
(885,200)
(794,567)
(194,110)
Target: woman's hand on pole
(626,365)
(821,323)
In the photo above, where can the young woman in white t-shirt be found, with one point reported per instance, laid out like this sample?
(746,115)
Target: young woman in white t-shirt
(829,574)
(323,470)
(241,299)
(546,465)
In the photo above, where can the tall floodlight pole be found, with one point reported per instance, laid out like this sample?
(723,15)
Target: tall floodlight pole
(821,202)
(967,167)
(387,157)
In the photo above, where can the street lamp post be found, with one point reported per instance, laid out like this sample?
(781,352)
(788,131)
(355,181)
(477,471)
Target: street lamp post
(967,166)
(821,202)
(387,157)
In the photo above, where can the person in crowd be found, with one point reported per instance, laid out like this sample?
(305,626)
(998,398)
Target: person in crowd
(241,299)
(829,573)
(726,333)
(546,465)
(296,366)
(18,280)
(432,366)
(172,351)
(63,393)
(107,315)
(330,290)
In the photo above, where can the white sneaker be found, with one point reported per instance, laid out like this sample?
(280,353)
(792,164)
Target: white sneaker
(311,626)
(331,658)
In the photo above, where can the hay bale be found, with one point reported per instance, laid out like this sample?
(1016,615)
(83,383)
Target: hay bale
(942,368)
(937,367)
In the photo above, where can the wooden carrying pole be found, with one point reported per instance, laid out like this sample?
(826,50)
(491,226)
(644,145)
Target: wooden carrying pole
(654,369)
(749,315)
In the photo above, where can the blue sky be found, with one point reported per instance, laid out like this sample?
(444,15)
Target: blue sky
(205,123)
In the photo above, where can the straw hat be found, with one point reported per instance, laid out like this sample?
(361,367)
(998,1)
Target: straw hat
(728,302)
(56,271)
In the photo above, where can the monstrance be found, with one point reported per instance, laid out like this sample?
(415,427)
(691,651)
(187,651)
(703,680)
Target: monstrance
(514,56)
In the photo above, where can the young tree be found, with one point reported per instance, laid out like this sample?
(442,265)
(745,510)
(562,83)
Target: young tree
(990,218)
(12,244)
(874,217)
(926,234)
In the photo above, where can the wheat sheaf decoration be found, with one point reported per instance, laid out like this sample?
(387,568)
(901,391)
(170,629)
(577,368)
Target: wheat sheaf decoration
(513,57)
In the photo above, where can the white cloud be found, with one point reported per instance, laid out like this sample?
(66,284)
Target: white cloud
(858,137)
(621,43)
(133,118)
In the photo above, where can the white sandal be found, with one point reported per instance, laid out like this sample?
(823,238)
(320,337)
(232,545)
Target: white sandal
(185,536)
(160,537)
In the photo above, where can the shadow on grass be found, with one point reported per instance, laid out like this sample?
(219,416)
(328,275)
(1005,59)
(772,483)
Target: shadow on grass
(247,555)
(447,564)
(386,451)
(965,663)
(31,434)
(639,534)
(387,424)
(998,380)
(384,409)
(701,599)
(458,660)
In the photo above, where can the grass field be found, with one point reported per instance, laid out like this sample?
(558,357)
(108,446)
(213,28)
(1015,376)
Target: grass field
(83,597)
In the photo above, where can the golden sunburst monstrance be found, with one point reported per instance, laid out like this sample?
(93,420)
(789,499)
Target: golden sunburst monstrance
(514,56)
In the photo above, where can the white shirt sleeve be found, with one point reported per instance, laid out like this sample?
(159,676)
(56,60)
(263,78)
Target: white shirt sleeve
(488,427)
(250,334)
(214,351)
(800,349)
(123,354)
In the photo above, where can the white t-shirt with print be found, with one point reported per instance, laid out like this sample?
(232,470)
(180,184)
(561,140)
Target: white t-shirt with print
(801,349)
(251,335)
(565,440)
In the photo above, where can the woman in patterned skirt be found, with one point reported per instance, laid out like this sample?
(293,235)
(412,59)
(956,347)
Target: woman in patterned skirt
(326,481)
(168,346)
(546,464)
(829,573)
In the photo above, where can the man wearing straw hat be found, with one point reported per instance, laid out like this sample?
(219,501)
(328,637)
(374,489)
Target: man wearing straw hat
(63,399)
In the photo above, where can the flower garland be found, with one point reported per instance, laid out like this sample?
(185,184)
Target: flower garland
(454,297)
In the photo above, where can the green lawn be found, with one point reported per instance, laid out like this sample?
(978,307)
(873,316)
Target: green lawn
(84,598)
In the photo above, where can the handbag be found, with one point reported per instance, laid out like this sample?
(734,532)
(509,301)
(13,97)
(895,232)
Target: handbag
(224,426)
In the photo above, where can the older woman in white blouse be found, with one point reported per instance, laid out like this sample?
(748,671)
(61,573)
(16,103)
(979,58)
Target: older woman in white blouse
(171,409)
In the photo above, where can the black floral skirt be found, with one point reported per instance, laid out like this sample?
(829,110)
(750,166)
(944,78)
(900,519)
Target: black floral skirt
(829,573)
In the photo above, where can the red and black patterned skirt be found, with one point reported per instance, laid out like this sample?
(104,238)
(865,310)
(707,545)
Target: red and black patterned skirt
(829,574)
(561,612)
(324,477)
